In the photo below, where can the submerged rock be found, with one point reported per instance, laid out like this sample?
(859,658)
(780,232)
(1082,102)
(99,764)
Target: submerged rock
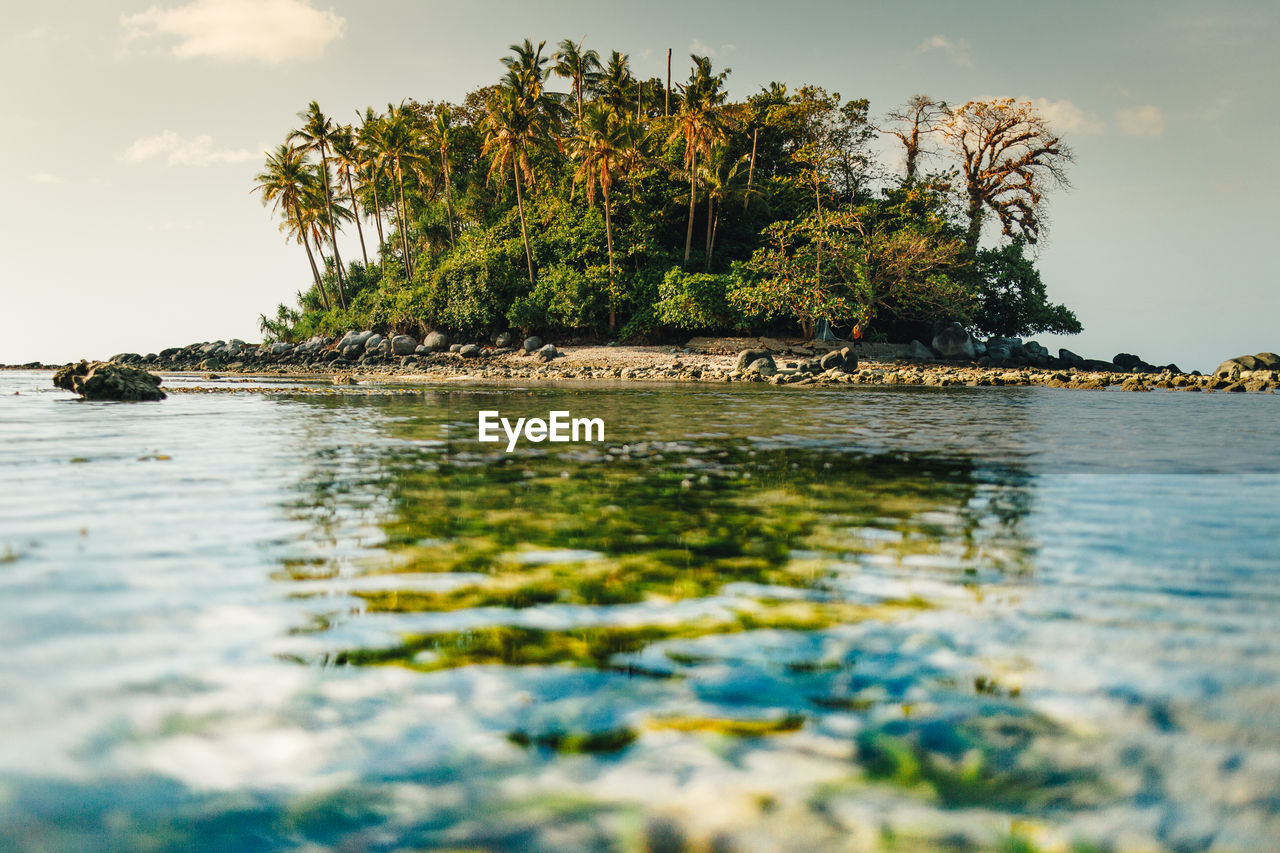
(100,380)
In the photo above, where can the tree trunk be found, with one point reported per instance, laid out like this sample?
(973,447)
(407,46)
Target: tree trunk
(693,198)
(639,97)
(302,234)
(974,232)
(524,230)
(333,233)
(377,212)
(577,89)
(707,248)
(403,216)
(355,208)
(715,226)
(751,167)
(448,192)
(608,235)
(666,101)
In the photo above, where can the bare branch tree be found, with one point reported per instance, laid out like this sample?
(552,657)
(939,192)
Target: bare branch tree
(1009,158)
(912,124)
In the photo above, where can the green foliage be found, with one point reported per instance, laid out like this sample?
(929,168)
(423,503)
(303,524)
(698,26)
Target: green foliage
(694,301)
(1011,297)
(769,213)
(563,299)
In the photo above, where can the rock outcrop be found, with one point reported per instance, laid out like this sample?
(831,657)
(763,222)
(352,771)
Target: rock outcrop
(101,380)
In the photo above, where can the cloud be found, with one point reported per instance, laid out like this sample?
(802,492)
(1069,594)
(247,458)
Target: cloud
(1065,117)
(270,31)
(701,48)
(956,49)
(179,151)
(1146,120)
(46,178)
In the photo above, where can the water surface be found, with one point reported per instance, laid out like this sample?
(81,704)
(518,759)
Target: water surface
(756,618)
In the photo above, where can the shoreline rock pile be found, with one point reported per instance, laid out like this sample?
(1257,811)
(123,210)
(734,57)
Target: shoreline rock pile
(953,358)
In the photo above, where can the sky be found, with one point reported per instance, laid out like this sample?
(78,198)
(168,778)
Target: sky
(133,130)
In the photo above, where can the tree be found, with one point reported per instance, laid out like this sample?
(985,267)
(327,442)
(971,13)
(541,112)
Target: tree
(700,126)
(874,264)
(369,164)
(346,157)
(441,135)
(283,184)
(601,150)
(317,133)
(521,116)
(578,65)
(614,84)
(1012,301)
(395,141)
(913,124)
(1008,159)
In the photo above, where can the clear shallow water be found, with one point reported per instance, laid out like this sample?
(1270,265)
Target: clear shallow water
(862,618)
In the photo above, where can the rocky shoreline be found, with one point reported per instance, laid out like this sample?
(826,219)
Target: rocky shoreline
(954,359)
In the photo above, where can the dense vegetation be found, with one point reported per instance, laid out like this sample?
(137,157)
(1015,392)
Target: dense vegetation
(633,208)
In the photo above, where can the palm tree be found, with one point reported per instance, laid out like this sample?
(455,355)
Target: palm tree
(395,141)
(347,160)
(370,124)
(603,148)
(316,134)
(700,126)
(615,84)
(285,183)
(724,182)
(521,116)
(442,136)
(582,67)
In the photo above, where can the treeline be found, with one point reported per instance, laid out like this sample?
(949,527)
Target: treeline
(635,208)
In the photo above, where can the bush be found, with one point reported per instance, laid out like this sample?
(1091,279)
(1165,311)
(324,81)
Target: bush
(563,299)
(694,301)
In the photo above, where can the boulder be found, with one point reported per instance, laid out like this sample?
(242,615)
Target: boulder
(454,347)
(954,342)
(372,343)
(470,351)
(504,340)
(532,343)
(747,356)
(280,348)
(1070,358)
(548,352)
(1261,361)
(436,342)
(1126,361)
(100,380)
(843,359)
(919,352)
(1268,360)
(421,349)
(403,345)
(762,367)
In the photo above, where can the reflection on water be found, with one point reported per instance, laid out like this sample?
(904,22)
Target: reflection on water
(872,619)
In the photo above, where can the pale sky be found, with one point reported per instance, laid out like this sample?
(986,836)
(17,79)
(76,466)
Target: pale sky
(133,130)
